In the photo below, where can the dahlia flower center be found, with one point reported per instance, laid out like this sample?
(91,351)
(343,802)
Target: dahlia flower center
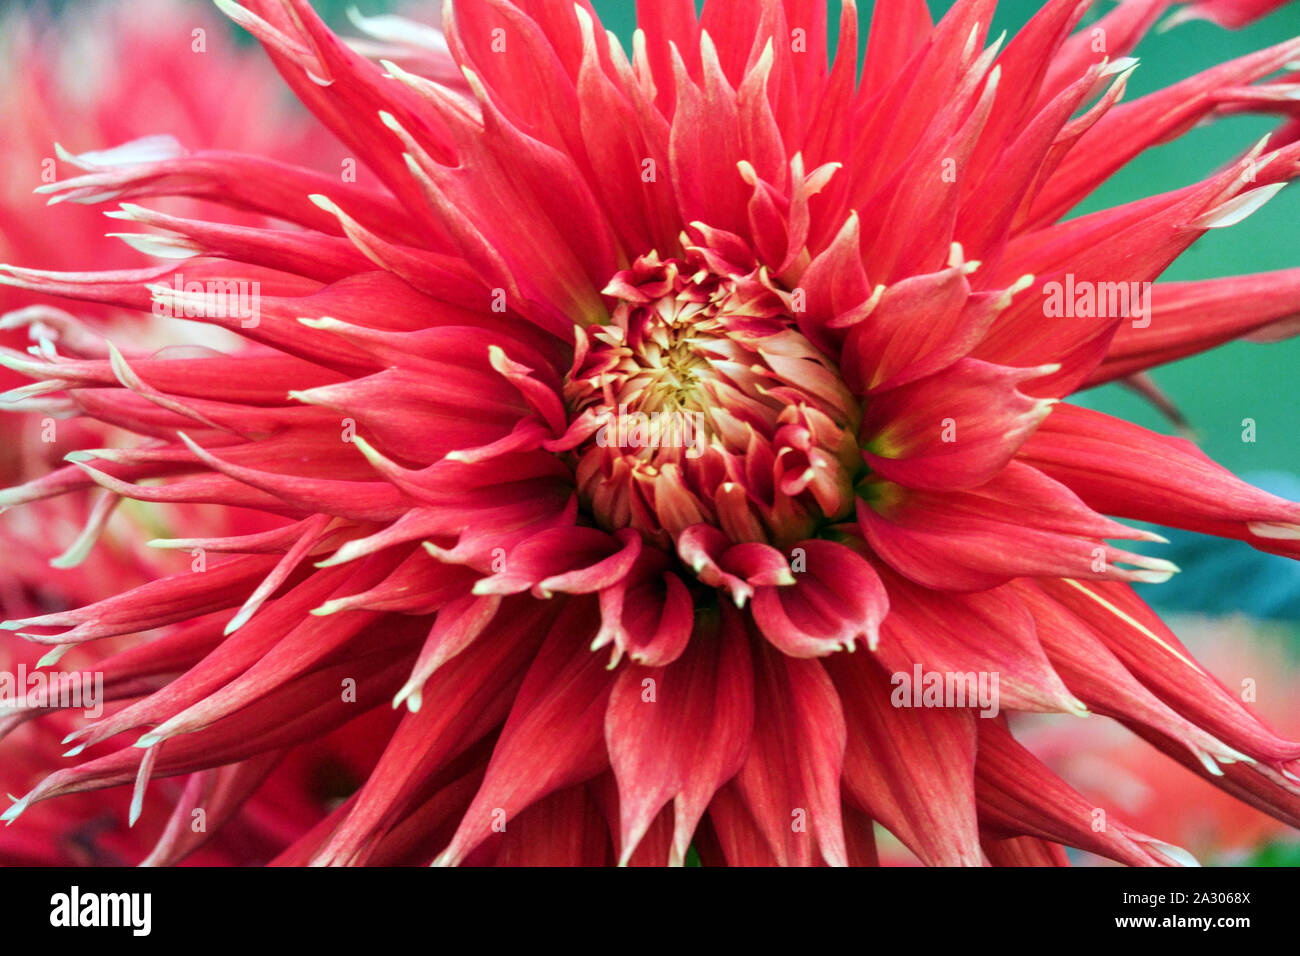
(701,402)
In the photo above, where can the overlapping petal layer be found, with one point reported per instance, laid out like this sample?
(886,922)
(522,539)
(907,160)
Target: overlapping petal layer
(720,356)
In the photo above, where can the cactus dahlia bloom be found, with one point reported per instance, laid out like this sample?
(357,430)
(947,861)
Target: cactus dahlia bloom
(651,412)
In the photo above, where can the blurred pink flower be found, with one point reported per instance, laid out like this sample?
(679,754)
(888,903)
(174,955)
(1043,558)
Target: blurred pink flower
(1116,768)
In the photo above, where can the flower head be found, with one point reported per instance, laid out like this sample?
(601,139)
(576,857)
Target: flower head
(728,359)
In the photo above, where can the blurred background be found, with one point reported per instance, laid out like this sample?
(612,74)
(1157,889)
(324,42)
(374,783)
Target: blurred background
(1238,608)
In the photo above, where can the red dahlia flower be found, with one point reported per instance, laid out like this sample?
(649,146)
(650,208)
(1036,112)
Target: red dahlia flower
(733,362)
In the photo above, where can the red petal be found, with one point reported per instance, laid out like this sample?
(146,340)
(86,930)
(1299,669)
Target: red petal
(679,733)
(911,769)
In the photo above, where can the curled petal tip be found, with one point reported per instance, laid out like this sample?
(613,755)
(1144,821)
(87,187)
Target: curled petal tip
(411,696)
